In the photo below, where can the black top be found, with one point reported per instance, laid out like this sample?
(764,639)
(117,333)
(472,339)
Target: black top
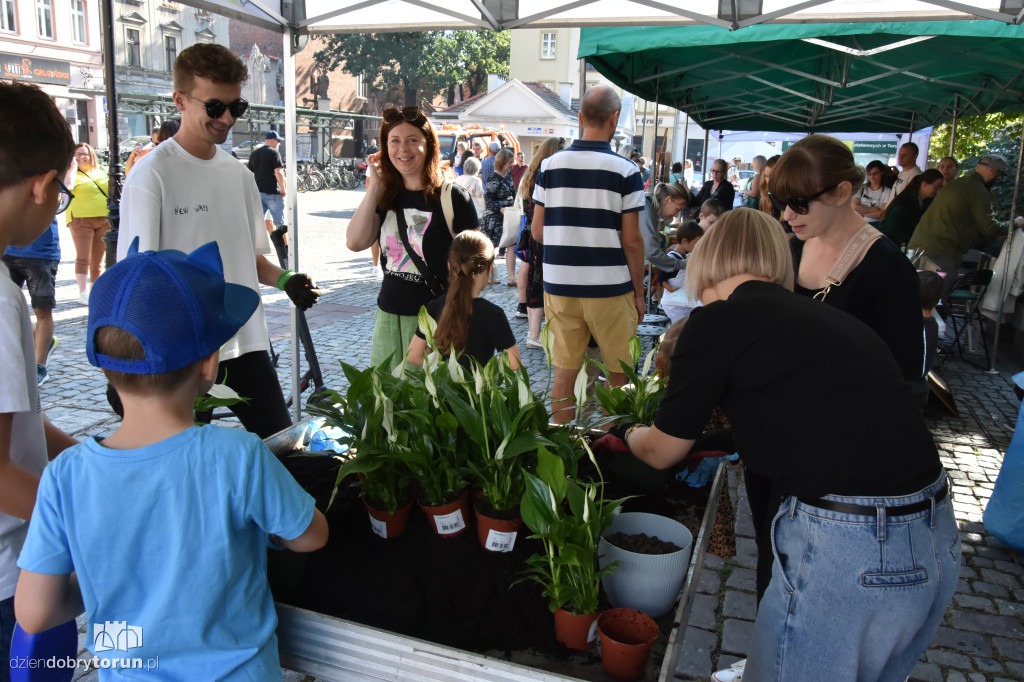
(262,163)
(489,331)
(404,290)
(725,194)
(884,293)
(815,401)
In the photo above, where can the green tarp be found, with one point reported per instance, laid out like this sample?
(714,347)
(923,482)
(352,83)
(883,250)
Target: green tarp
(880,77)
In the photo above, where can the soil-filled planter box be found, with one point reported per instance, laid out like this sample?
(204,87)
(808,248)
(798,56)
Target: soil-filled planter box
(423,607)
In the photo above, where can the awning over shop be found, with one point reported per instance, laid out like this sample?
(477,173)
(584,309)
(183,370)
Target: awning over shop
(871,77)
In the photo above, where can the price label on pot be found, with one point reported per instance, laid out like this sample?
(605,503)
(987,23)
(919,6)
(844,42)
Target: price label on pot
(379,528)
(592,635)
(497,541)
(450,523)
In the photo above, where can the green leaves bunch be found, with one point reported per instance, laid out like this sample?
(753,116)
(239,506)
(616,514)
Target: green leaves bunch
(639,398)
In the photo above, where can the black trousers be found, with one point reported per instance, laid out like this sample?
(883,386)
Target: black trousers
(764,498)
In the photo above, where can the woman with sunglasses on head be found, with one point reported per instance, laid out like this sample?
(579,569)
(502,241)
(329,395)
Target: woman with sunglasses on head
(866,546)
(404,211)
(87,216)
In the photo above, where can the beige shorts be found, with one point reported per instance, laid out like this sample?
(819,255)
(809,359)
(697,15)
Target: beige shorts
(611,321)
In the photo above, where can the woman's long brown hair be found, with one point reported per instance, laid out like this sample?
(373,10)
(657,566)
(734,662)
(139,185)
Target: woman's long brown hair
(470,254)
(544,150)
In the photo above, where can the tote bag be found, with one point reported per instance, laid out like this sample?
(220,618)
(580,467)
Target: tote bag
(512,223)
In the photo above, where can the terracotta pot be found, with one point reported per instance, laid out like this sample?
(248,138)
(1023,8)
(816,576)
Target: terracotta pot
(576,631)
(386,525)
(449,520)
(626,639)
(497,534)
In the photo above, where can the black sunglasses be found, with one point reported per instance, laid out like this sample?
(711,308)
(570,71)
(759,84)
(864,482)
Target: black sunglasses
(216,109)
(64,195)
(800,205)
(409,114)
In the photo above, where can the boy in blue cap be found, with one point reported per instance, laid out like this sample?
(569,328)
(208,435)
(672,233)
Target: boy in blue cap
(159,532)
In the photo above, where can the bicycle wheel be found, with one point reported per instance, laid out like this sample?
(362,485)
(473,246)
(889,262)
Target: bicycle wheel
(300,183)
(349,180)
(316,182)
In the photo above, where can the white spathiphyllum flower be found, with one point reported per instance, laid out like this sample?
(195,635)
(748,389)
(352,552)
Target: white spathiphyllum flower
(478,379)
(525,397)
(224,392)
(388,422)
(635,348)
(456,373)
(427,324)
(648,361)
(579,389)
(547,340)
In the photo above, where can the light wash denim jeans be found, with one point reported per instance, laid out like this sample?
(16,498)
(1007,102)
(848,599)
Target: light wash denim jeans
(854,597)
(275,204)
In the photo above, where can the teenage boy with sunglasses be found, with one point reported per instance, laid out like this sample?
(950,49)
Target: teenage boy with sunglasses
(187,192)
(35,151)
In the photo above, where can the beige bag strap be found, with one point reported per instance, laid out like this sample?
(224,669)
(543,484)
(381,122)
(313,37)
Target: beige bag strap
(446,205)
(850,258)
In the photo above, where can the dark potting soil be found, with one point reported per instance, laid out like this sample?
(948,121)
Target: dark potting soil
(642,543)
(449,590)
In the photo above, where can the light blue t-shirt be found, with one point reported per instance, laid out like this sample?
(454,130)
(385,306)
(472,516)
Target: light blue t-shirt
(169,542)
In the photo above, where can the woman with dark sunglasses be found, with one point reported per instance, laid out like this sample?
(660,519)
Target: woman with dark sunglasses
(404,212)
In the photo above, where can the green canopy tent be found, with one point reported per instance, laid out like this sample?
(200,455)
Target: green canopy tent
(869,77)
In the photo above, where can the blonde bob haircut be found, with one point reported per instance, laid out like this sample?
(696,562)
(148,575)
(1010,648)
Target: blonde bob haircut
(742,242)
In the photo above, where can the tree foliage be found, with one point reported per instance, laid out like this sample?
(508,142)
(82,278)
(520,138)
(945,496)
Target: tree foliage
(420,64)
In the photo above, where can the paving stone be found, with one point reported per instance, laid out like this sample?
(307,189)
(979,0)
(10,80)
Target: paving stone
(964,587)
(1016,669)
(968,573)
(925,672)
(713,562)
(740,605)
(967,642)
(969,601)
(991,575)
(990,552)
(980,561)
(955,676)
(704,612)
(949,659)
(1007,626)
(742,579)
(746,553)
(695,655)
(1010,608)
(736,636)
(976,677)
(709,583)
(988,665)
(1009,567)
(990,589)
(1011,648)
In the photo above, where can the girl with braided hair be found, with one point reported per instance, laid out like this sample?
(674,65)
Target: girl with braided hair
(472,326)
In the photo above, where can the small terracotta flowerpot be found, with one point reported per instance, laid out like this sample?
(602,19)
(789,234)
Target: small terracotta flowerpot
(448,520)
(497,534)
(386,525)
(576,631)
(626,639)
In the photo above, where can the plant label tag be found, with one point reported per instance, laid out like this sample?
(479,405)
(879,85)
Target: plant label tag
(447,524)
(592,635)
(497,541)
(379,528)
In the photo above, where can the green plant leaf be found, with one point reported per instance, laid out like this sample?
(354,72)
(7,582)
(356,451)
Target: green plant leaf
(635,348)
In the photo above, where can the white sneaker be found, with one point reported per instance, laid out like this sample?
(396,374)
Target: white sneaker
(733,673)
(83,298)
(530,343)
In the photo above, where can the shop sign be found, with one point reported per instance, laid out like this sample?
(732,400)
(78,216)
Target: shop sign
(35,70)
(534,130)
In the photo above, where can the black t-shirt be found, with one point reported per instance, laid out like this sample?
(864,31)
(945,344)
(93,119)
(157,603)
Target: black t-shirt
(404,290)
(815,400)
(726,194)
(884,293)
(262,163)
(489,331)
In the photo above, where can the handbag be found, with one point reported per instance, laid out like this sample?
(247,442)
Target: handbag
(512,223)
(523,245)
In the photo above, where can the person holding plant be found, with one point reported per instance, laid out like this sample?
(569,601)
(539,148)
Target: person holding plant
(866,546)
(472,326)
(413,213)
(87,217)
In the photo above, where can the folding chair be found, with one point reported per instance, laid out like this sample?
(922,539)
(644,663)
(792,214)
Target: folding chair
(963,302)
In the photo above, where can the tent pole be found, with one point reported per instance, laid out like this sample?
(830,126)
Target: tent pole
(292,205)
(654,145)
(1004,285)
(115,178)
(704,161)
(952,133)
(686,141)
(643,129)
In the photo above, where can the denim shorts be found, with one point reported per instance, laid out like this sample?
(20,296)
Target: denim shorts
(855,597)
(275,204)
(39,275)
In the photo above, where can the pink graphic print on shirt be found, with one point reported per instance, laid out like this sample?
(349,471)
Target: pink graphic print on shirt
(391,242)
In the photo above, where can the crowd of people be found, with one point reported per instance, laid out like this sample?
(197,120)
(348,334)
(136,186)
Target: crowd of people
(803,288)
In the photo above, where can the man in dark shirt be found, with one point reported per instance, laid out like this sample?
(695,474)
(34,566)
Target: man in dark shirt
(265,163)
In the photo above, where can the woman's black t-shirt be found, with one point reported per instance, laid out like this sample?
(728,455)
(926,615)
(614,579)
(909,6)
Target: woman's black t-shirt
(815,399)
(489,331)
(403,290)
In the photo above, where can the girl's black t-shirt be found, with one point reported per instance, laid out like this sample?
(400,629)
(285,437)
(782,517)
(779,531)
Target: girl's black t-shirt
(815,399)
(489,331)
(404,290)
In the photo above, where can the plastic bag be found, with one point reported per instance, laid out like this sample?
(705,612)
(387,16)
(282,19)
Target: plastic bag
(323,440)
(1004,514)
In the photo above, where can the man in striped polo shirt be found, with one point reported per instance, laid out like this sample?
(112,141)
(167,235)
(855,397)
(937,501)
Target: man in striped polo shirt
(586,201)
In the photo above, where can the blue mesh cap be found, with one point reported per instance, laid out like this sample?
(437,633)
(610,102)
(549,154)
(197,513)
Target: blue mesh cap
(178,306)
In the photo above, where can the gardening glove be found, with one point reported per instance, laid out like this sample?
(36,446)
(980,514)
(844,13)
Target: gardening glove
(619,430)
(302,290)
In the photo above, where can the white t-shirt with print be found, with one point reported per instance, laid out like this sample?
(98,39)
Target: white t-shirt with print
(173,200)
(19,395)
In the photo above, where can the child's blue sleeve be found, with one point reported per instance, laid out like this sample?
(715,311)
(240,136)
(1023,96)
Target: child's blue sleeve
(275,502)
(46,548)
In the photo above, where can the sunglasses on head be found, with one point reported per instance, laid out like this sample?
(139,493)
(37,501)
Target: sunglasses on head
(800,205)
(409,114)
(216,109)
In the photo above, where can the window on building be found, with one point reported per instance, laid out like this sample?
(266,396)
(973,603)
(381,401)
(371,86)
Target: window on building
(8,16)
(78,25)
(171,48)
(547,45)
(361,86)
(44,18)
(134,47)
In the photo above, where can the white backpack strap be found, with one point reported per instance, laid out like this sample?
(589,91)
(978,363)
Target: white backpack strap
(446,205)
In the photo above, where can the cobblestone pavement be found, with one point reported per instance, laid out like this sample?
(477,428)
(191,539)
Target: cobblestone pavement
(983,635)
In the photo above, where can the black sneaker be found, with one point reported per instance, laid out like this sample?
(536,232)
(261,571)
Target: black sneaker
(521,311)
